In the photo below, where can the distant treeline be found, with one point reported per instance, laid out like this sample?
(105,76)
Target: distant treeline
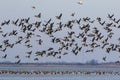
(91,62)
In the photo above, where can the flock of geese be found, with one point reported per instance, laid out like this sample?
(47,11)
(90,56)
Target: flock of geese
(75,36)
(59,72)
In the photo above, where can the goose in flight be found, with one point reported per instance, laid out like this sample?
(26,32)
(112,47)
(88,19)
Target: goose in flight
(80,2)
(33,7)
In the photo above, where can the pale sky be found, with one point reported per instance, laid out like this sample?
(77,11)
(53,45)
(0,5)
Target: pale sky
(13,9)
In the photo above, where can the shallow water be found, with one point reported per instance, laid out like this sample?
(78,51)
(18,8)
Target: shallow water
(62,77)
(59,76)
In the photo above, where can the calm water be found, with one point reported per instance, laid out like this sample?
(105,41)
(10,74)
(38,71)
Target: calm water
(59,76)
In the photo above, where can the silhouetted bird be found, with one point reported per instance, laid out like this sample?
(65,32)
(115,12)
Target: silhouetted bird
(73,14)
(110,16)
(104,58)
(4,56)
(17,56)
(4,35)
(4,49)
(18,62)
(38,16)
(117,21)
(15,22)
(33,7)
(59,17)
(65,53)
(36,59)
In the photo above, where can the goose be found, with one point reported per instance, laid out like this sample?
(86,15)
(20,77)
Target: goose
(4,56)
(80,2)
(33,7)
(73,14)
(18,62)
(110,16)
(117,21)
(15,22)
(104,58)
(38,16)
(36,59)
(17,56)
(59,17)
(4,35)
(30,52)
(4,49)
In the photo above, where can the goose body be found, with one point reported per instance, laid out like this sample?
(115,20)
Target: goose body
(80,2)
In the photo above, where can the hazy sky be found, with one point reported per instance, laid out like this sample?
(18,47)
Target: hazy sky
(13,9)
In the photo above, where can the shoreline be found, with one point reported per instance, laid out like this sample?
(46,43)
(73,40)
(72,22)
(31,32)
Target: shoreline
(57,69)
(63,65)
